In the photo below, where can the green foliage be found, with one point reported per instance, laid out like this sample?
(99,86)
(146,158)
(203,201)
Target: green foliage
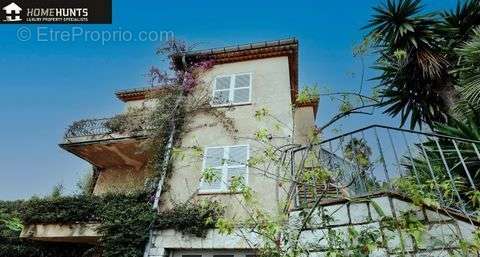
(167,115)
(15,247)
(419,64)
(125,221)
(470,76)
(364,242)
(225,226)
(420,194)
(355,243)
(57,191)
(345,106)
(262,135)
(9,222)
(308,94)
(407,222)
(62,210)
(191,218)
(316,175)
(210,175)
(131,122)
(86,183)
(471,246)
(358,151)
(12,246)
(261,114)
(432,162)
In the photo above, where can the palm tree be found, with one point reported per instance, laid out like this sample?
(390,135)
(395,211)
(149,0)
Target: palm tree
(418,61)
(469,75)
(457,25)
(414,82)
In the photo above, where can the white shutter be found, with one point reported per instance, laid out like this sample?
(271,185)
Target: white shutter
(242,87)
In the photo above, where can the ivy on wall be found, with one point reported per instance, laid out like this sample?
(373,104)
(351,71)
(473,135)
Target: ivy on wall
(60,210)
(124,219)
(13,246)
(124,226)
(191,218)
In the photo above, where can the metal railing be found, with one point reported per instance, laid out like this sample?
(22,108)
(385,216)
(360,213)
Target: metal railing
(107,126)
(378,158)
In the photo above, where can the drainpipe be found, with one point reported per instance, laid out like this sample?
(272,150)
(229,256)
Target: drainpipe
(164,167)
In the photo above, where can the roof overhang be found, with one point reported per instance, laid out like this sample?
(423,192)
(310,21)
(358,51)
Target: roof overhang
(134,94)
(247,52)
(239,53)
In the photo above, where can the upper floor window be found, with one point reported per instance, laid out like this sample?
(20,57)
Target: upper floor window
(232,89)
(226,162)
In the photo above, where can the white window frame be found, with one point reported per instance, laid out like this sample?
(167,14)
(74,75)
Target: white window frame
(224,168)
(231,89)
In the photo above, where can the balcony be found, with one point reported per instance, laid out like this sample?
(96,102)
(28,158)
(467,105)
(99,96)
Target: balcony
(109,142)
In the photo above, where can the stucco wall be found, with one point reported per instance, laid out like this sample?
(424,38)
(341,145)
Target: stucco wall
(304,121)
(270,90)
(121,179)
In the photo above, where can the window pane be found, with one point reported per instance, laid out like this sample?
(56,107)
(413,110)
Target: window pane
(213,157)
(237,173)
(222,83)
(237,155)
(242,81)
(223,255)
(217,184)
(221,97)
(241,95)
(191,255)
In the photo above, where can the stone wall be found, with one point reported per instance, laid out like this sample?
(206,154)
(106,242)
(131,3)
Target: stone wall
(441,237)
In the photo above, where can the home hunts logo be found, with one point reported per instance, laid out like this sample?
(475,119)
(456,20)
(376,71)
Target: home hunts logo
(10,9)
(59,11)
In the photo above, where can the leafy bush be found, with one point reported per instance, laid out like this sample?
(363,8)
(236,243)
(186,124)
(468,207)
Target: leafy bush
(13,246)
(125,222)
(61,210)
(191,218)
(308,95)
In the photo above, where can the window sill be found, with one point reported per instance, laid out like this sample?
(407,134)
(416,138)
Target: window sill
(218,193)
(230,105)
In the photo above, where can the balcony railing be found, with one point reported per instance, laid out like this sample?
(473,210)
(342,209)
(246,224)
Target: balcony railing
(126,125)
(434,167)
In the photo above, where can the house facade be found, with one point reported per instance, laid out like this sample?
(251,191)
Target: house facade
(244,80)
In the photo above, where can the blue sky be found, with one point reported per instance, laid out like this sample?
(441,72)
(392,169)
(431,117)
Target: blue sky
(47,85)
